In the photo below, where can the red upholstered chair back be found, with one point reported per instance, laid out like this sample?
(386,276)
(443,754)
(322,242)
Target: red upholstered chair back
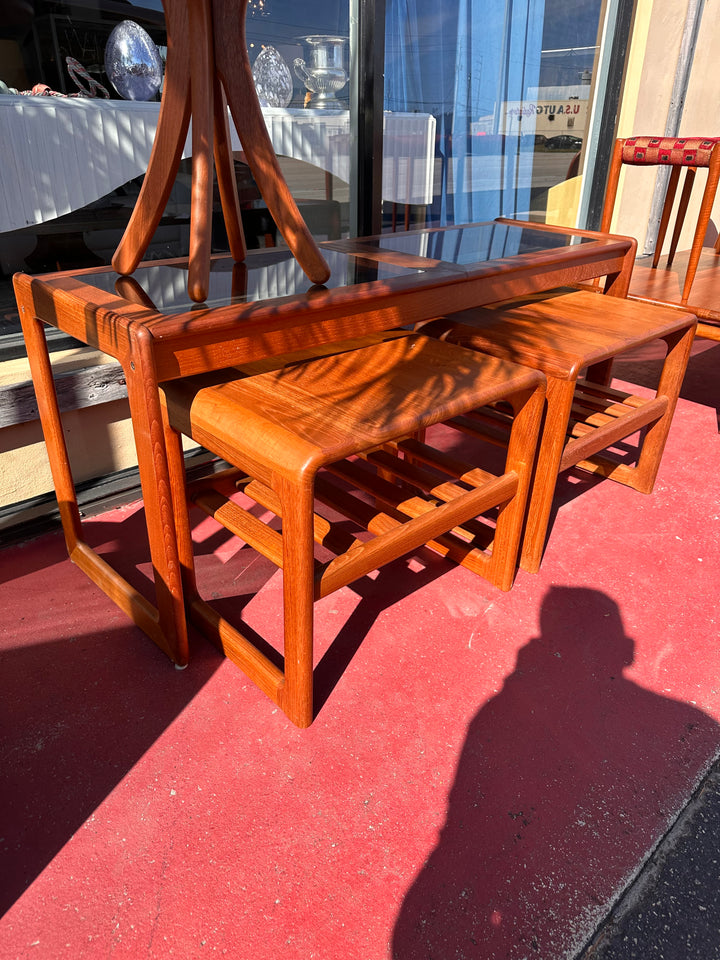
(676,153)
(682,152)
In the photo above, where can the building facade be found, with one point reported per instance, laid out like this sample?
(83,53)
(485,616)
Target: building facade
(494,108)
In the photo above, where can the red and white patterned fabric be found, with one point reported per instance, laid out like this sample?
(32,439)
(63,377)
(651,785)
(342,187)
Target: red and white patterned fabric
(79,76)
(674,151)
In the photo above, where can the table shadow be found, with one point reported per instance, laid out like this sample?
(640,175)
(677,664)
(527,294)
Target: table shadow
(567,778)
(77,713)
(83,692)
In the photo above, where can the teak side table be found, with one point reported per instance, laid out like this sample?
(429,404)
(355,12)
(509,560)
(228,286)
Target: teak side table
(563,334)
(263,308)
(313,439)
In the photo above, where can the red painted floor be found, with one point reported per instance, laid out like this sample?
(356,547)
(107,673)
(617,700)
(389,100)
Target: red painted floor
(487,773)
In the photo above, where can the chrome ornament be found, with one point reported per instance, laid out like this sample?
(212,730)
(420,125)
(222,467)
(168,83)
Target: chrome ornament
(132,62)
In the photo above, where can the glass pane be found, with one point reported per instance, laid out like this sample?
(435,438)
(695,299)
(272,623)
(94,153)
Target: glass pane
(505,85)
(271,274)
(266,276)
(300,57)
(75,205)
(476,244)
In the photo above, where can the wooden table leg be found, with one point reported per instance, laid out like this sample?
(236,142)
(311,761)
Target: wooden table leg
(527,417)
(601,372)
(147,422)
(51,423)
(560,395)
(296,695)
(161,624)
(679,345)
(618,284)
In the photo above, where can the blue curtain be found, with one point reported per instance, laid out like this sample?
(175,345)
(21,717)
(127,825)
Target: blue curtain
(464,61)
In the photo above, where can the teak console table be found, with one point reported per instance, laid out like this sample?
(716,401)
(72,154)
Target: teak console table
(261,308)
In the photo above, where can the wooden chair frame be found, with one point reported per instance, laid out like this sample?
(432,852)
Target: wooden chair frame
(709,319)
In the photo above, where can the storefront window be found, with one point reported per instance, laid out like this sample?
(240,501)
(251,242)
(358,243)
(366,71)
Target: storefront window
(484,108)
(77,173)
(507,83)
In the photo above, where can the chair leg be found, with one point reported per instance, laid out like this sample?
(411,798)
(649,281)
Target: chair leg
(682,210)
(612,186)
(706,205)
(665,217)
(296,693)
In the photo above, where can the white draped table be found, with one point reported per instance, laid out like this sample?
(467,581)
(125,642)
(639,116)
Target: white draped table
(60,154)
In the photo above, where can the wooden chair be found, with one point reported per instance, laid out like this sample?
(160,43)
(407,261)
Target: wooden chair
(302,432)
(688,153)
(562,334)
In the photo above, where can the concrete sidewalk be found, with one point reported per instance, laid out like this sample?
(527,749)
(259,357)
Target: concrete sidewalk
(489,776)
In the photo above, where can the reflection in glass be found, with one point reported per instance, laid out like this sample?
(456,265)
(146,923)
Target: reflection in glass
(132,62)
(474,244)
(271,275)
(324,76)
(508,84)
(273,80)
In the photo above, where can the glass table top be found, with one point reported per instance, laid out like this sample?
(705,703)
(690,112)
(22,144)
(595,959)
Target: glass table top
(274,273)
(473,244)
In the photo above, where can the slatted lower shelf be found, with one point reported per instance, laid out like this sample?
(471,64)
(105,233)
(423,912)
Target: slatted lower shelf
(600,416)
(406,495)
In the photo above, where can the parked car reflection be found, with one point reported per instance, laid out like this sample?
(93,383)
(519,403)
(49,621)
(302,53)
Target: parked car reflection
(537,139)
(564,141)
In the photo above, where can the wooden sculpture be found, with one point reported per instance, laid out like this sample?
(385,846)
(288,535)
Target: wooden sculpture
(207,70)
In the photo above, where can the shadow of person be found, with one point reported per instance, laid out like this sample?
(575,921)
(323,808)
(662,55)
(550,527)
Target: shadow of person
(566,779)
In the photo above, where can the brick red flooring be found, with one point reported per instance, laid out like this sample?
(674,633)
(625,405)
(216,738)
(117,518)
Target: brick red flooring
(487,774)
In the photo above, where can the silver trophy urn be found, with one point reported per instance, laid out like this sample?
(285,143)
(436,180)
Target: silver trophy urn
(324,75)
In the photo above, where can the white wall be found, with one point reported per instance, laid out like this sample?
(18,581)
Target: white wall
(646,101)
